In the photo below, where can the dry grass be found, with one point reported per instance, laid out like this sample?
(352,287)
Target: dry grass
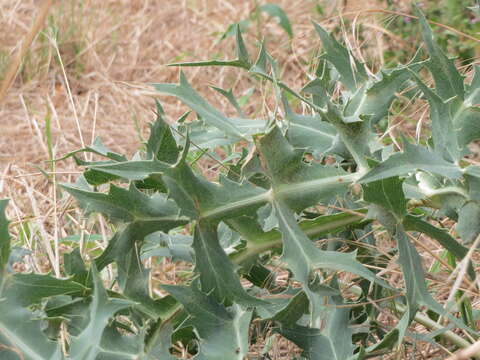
(110,50)
(86,73)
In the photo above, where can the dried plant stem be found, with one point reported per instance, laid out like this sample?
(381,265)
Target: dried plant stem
(27,41)
(465,354)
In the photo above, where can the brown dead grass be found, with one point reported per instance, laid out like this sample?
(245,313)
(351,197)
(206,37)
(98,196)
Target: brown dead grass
(110,50)
(87,71)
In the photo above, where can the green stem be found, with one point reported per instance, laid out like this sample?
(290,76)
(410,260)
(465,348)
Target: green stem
(239,204)
(259,242)
(313,185)
(434,326)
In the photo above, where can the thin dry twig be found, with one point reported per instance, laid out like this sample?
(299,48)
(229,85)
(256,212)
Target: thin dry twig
(27,41)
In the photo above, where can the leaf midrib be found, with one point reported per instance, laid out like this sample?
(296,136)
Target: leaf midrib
(312,129)
(280,191)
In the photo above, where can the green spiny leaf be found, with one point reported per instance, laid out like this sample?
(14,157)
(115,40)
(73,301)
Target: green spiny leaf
(241,49)
(352,72)
(217,275)
(29,289)
(355,132)
(413,272)
(21,333)
(276,11)
(299,184)
(131,170)
(178,247)
(303,257)
(375,97)
(417,292)
(242,61)
(311,133)
(206,136)
(466,125)
(301,253)
(391,211)
(86,345)
(127,205)
(411,159)
(223,332)
(115,346)
(445,139)
(287,308)
(260,65)
(387,193)
(75,267)
(332,343)
(468,226)
(122,249)
(231,99)
(159,342)
(192,99)
(259,241)
(97,148)
(448,81)
(133,279)
(412,223)
(473,90)
(199,198)
(161,144)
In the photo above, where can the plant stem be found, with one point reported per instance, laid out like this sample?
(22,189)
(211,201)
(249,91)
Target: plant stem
(283,191)
(258,243)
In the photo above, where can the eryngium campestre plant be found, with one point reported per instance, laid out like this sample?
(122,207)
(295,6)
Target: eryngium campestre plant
(309,196)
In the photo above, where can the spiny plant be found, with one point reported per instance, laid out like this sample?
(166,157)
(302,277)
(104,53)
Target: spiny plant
(308,195)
